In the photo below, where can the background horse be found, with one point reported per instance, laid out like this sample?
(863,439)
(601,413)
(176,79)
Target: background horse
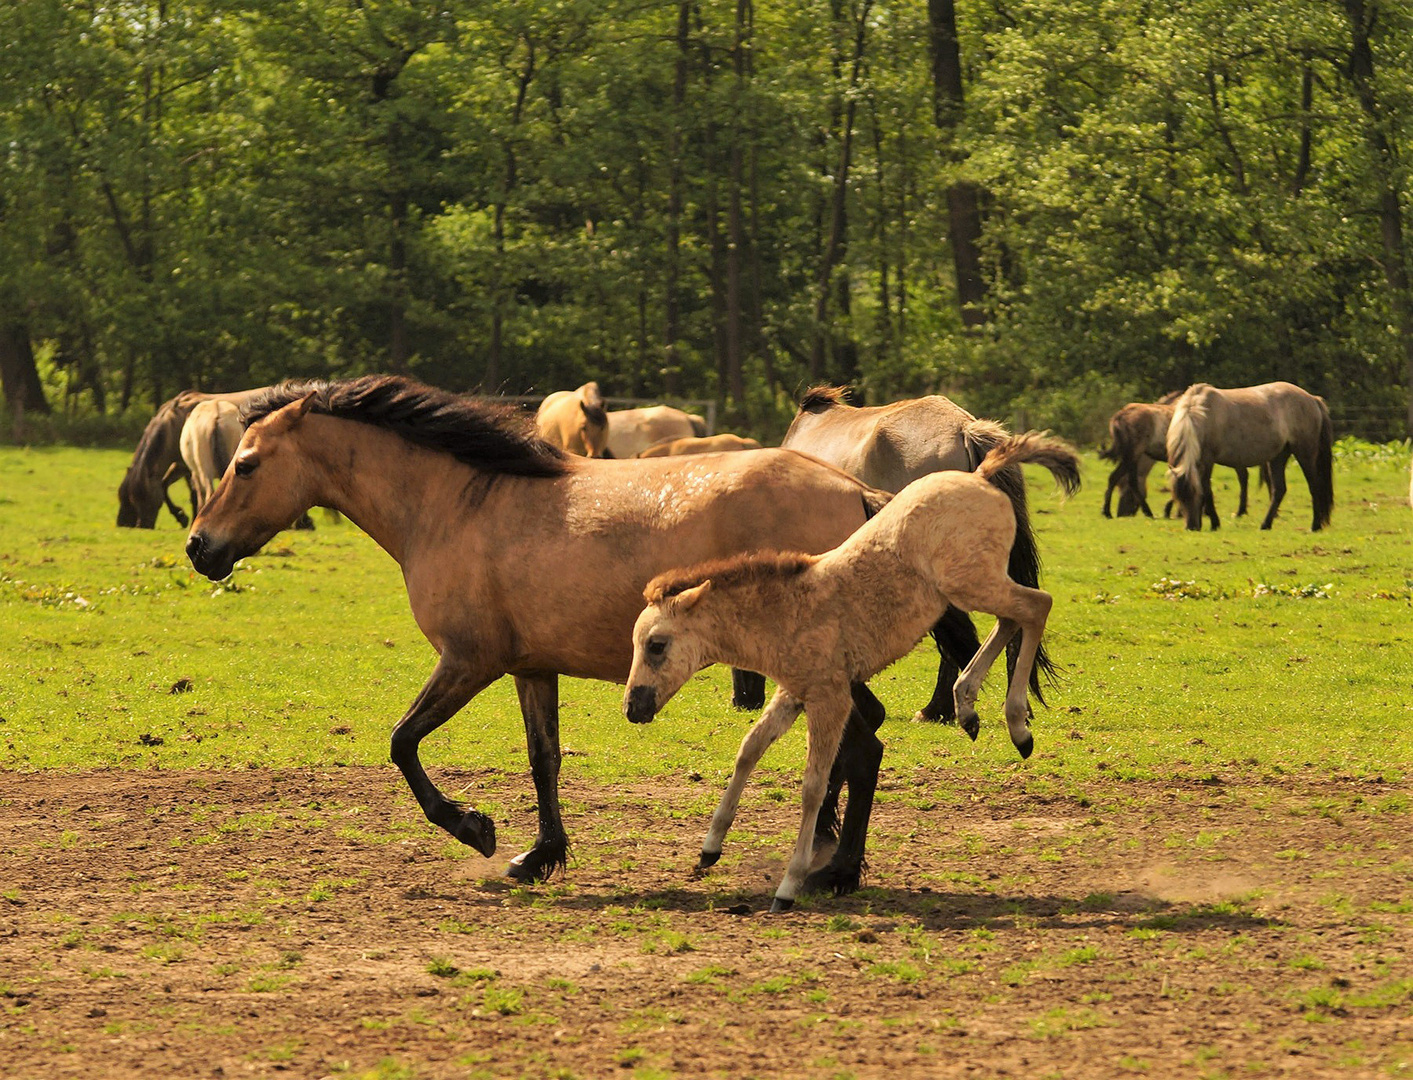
(143,490)
(208,442)
(521,560)
(888,447)
(700,444)
(1138,440)
(575,420)
(631,431)
(944,540)
(1250,426)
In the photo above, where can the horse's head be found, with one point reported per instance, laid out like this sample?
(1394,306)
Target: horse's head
(265,488)
(667,651)
(592,421)
(139,501)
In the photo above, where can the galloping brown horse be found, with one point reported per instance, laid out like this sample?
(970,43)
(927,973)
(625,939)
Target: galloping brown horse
(522,560)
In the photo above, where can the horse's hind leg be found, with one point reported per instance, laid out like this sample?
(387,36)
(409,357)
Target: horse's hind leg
(1278,464)
(450,687)
(539,705)
(859,757)
(777,719)
(1308,469)
(1208,503)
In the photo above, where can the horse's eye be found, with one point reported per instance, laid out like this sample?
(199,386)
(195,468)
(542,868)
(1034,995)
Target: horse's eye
(246,465)
(657,647)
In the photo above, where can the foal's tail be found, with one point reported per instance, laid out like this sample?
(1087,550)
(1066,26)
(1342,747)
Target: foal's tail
(983,438)
(1035,449)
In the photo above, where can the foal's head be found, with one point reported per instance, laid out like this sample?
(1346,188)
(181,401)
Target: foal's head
(667,650)
(266,487)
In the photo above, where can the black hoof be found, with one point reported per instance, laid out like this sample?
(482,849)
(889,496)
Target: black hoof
(1026,747)
(707,858)
(780,904)
(838,880)
(477,831)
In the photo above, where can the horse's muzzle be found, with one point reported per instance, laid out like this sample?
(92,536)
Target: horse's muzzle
(640,704)
(208,560)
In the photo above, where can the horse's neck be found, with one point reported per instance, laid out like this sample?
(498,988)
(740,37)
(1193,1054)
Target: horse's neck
(390,488)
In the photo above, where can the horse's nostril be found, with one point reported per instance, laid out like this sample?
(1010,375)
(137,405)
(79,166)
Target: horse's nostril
(195,544)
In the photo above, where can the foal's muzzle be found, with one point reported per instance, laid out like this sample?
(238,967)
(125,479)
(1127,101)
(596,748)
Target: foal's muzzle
(640,704)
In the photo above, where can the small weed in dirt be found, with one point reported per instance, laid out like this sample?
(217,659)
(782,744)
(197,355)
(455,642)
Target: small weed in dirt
(441,967)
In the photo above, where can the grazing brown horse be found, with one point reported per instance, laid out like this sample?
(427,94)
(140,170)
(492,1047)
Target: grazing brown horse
(816,623)
(1249,426)
(631,431)
(704,444)
(143,490)
(575,420)
(521,560)
(1138,440)
(890,446)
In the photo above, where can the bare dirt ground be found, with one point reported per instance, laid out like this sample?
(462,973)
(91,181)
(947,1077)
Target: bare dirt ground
(308,923)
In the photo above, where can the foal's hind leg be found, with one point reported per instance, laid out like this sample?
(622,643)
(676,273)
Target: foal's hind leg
(968,684)
(957,643)
(451,686)
(777,719)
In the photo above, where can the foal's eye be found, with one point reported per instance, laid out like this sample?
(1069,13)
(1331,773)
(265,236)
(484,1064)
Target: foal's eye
(657,648)
(244,466)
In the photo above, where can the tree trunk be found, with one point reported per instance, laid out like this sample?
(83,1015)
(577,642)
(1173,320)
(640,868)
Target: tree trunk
(18,375)
(963,198)
(1379,135)
(672,312)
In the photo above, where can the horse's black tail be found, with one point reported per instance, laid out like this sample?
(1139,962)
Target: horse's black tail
(1322,483)
(981,437)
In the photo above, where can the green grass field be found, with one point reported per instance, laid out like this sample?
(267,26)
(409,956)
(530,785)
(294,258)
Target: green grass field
(1183,653)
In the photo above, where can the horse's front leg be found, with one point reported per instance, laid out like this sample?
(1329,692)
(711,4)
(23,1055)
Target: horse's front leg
(747,689)
(539,705)
(827,716)
(1208,503)
(174,473)
(451,686)
(777,719)
(1241,481)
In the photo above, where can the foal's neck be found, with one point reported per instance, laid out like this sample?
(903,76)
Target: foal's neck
(748,624)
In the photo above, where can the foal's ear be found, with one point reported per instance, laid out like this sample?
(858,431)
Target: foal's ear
(689,598)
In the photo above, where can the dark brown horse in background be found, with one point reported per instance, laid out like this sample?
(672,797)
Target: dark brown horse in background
(1252,425)
(522,560)
(888,447)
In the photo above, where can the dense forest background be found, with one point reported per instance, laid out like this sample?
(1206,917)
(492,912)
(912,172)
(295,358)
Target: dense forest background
(1041,207)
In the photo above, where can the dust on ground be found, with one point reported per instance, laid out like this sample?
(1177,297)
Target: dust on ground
(309,923)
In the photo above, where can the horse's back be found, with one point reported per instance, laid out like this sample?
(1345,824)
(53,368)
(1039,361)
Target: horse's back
(631,431)
(886,446)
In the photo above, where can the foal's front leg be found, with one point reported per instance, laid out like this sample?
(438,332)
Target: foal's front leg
(777,719)
(828,713)
(451,686)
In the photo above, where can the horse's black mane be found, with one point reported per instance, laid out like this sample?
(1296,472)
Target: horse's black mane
(495,438)
(748,568)
(819,398)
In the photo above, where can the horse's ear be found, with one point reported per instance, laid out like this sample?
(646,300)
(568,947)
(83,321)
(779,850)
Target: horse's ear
(689,598)
(304,405)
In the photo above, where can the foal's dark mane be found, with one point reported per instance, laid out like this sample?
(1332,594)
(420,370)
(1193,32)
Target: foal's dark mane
(495,438)
(820,398)
(751,568)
